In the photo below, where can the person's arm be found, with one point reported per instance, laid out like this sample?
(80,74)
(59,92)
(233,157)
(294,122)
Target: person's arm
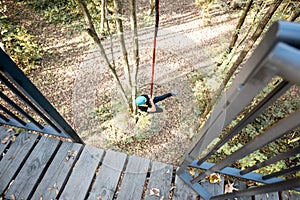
(153,107)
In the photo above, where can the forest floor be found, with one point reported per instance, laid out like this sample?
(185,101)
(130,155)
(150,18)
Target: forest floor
(74,78)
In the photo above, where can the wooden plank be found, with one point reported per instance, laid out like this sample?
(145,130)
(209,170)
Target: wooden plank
(134,178)
(160,181)
(240,185)
(82,176)
(268,196)
(289,196)
(5,139)
(58,171)
(107,180)
(14,158)
(33,169)
(183,191)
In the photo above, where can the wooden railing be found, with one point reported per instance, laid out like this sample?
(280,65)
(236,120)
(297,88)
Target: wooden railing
(278,55)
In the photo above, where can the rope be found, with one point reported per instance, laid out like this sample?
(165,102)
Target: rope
(154,45)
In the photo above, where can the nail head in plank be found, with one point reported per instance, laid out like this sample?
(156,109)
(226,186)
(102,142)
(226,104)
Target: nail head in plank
(15,157)
(107,180)
(82,175)
(183,191)
(58,171)
(268,196)
(134,178)
(160,181)
(31,172)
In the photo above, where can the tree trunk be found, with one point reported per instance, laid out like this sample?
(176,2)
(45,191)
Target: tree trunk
(151,7)
(103,14)
(92,32)
(232,53)
(236,31)
(239,25)
(262,24)
(136,58)
(1,44)
(295,14)
(118,13)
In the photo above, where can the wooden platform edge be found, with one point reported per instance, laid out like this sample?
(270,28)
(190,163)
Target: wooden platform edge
(37,167)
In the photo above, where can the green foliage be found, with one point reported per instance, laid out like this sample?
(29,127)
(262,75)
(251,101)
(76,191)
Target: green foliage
(201,91)
(203,2)
(147,20)
(20,45)
(62,11)
(103,111)
(280,109)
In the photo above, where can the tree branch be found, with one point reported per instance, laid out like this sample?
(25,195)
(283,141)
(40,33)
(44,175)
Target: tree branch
(136,58)
(92,32)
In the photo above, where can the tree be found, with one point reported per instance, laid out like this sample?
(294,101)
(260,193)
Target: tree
(236,32)
(295,13)
(128,98)
(239,25)
(257,33)
(103,13)
(2,13)
(151,7)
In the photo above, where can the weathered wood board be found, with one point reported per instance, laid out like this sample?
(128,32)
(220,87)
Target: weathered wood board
(54,179)
(5,139)
(35,165)
(108,178)
(82,175)
(134,178)
(268,196)
(38,167)
(182,191)
(160,181)
(14,158)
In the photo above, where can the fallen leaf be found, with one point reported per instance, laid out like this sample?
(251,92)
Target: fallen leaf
(155,192)
(214,178)
(192,171)
(54,188)
(162,198)
(71,154)
(5,140)
(13,138)
(172,188)
(99,197)
(41,197)
(229,188)
(13,197)
(12,157)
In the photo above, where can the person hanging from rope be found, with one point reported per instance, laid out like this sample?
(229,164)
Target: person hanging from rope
(147,104)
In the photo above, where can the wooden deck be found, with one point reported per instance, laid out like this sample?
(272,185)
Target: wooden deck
(40,168)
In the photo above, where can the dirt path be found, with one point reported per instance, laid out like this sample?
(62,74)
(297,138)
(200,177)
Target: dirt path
(184,48)
(72,75)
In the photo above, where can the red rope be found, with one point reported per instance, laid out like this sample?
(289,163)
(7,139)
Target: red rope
(154,46)
(153,66)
